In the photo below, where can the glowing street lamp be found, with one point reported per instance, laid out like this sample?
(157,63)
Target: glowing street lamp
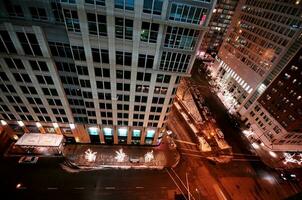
(72,126)
(21,123)
(55,125)
(3,123)
(38,124)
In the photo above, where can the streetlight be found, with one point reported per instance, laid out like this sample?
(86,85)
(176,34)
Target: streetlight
(72,126)
(3,123)
(55,125)
(38,124)
(20,123)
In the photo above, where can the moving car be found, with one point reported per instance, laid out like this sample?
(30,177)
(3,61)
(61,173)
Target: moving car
(288,176)
(28,159)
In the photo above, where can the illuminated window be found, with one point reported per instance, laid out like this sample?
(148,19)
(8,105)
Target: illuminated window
(150,133)
(93,131)
(136,133)
(122,132)
(107,131)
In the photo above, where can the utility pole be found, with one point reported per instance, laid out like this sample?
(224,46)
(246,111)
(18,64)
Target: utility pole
(188,185)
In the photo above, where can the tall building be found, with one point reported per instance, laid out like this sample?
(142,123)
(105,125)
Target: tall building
(276,116)
(217,28)
(100,71)
(263,38)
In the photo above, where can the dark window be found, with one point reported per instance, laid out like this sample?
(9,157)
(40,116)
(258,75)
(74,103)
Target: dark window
(24,89)
(106,73)
(149,32)
(38,13)
(145,61)
(45,91)
(96,2)
(98,71)
(29,43)
(13,10)
(72,20)
(82,70)
(97,24)
(97,57)
(153,6)
(78,53)
(8,44)
(124,4)
(123,28)
(123,58)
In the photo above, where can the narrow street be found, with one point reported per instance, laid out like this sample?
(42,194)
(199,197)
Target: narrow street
(246,178)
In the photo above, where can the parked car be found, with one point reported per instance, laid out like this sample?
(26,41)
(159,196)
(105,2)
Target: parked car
(134,159)
(28,159)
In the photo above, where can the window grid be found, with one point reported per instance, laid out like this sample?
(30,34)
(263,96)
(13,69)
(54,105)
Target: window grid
(97,24)
(186,13)
(153,7)
(123,28)
(175,62)
(181,38)
(149,32)
(71,20)
(124,4)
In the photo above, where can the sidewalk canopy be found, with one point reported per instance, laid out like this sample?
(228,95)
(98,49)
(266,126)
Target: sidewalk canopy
(42,140)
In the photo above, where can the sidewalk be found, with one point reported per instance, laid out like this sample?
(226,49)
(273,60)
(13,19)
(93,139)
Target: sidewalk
(131,157)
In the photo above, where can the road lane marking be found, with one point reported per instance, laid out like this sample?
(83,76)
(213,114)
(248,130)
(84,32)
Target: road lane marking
(79,188)
(163,187)
(139,187)
(186,142)
(110,188)
(52,188)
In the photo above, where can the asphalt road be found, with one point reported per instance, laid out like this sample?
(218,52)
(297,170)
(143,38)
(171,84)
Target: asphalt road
(47,180)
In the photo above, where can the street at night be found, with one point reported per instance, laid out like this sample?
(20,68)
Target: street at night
(47,180)
(150,99)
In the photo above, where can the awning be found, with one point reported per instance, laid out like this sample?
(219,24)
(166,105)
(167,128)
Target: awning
(38,139)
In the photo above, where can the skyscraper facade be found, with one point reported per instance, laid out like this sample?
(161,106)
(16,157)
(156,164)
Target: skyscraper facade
(277,114)
(217,28)
(100,71)
(263,38)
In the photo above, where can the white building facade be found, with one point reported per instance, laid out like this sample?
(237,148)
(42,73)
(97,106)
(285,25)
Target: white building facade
(104,71)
